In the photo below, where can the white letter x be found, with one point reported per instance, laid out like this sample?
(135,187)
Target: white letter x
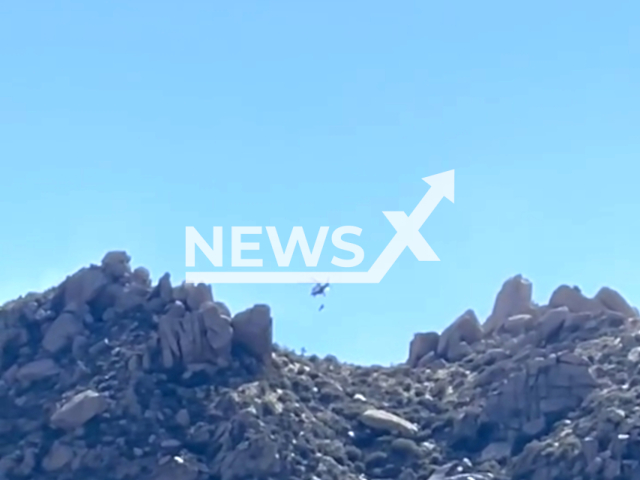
(410,236)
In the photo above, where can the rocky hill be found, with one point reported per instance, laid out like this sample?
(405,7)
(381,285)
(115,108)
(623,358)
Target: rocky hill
(108,376)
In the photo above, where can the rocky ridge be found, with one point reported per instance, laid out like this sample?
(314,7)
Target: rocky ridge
(108,376)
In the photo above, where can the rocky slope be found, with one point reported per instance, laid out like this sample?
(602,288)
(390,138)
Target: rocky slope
(110,377)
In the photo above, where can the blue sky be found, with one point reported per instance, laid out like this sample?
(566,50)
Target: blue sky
(123,122)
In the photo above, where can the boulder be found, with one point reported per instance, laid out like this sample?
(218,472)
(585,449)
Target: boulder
(253,331)
(514,298)
(78,410)
(455,339)
(58,457)
(64,329)
(194,337)
(383,420)
(536,395)
(551,322)
(518,325)
(141,276)
(422,345)
(615,302)
(84,286)
(223,309)
(37,370)
(574,300)
(197,295)
(115,264)
(217,329)
(163,291)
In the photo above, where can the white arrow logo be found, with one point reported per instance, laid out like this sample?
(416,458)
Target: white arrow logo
(407,235)
(408,228)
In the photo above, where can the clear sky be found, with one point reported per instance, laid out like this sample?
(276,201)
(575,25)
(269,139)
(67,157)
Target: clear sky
(123,122)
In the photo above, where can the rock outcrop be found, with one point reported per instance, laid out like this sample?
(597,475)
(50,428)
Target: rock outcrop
(108,376)
(514,298)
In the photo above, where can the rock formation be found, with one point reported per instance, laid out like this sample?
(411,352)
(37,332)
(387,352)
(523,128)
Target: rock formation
(108,376)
